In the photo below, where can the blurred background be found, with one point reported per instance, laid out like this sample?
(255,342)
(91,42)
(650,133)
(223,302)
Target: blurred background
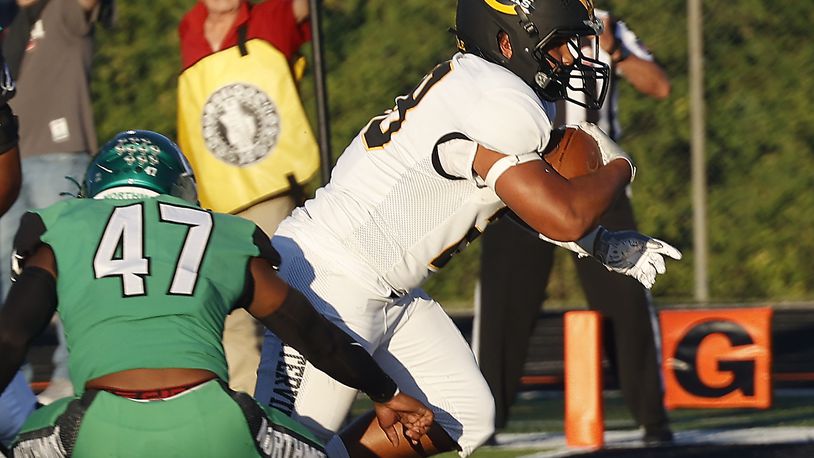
(758,125)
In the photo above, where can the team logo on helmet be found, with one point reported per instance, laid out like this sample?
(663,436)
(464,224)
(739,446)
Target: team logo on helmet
(241,124)
(139,153)
(507,6)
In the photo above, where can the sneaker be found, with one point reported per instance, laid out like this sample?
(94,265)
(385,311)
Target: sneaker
(657,435)
(58,388)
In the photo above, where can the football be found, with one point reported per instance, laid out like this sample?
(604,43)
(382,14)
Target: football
(572,152)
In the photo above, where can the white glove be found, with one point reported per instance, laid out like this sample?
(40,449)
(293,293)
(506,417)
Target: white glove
(633,254)
(609,149)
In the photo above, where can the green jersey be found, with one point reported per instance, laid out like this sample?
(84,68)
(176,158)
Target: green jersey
(144,283)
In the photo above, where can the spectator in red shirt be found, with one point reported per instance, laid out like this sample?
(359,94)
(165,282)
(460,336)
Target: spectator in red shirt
(245,154)
(212,25)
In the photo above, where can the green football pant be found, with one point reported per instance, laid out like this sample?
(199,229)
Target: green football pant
(206,421)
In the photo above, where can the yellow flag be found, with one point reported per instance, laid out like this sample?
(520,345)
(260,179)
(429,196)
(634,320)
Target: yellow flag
(243,128)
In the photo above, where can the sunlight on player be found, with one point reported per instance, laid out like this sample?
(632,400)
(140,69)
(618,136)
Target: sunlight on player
(415,187)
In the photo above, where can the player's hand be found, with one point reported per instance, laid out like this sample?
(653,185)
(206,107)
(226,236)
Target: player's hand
(633,254)
(609,149)
(414,416)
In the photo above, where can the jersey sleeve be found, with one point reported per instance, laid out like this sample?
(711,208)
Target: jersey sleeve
(267,252)
(509,121)
(280,27)
(27,240)
(453,155)
(632,42)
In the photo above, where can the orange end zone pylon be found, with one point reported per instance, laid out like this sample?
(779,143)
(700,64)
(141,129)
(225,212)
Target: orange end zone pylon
(584,412)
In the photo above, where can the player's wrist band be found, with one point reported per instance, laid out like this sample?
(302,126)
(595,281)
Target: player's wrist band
(505,163)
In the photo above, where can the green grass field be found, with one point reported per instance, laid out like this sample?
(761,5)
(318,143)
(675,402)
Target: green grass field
(537,412)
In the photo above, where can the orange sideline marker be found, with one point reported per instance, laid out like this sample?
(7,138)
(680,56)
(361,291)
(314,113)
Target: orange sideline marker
(584,413)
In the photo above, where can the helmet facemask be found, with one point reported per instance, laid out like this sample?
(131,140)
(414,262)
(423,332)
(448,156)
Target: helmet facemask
(534,28)
(584,82)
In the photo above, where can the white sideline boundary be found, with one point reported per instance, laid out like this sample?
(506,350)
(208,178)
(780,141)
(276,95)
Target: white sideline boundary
(555,442)
(632,439)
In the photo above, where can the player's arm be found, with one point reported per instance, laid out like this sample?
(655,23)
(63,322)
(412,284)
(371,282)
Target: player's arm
(509,126)
(301,9)
(559,208)
(10,178)
(30,304)
(290,316)
(626,252)
(633,61)
(646,76)
(10,172)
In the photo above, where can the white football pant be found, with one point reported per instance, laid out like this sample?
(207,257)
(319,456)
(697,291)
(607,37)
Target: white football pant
(411,338)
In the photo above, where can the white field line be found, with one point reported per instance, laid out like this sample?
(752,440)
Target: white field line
(555,442)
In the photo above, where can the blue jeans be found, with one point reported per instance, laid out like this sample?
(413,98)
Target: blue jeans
(16,404)
(43,181)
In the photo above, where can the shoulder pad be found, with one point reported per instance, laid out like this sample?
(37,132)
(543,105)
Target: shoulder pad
(267,252)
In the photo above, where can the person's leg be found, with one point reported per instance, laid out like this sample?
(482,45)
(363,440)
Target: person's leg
(430,360)
(515,266)
(283,429)
(60,384)
(242,334)
(204,421)
(17,399)
(9,224)
(38,436)
(16,404)
(268,214)
(629,341)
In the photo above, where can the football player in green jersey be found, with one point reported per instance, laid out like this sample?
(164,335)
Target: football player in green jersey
(143,278)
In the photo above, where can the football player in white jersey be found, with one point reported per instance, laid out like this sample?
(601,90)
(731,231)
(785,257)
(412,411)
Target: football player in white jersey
(417,185)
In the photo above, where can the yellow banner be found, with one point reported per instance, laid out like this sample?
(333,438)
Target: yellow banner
(243,128)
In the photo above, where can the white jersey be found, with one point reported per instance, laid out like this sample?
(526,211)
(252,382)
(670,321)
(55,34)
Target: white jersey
(403,197)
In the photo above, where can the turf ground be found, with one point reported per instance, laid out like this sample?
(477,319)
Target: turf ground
(535,430)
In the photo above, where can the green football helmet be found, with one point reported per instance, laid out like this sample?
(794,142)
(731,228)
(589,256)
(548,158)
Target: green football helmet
(139,163)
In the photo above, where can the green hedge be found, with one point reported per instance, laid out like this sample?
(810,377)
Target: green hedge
(758,87)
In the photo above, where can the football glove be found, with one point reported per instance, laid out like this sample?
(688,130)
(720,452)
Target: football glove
(607,147)
(633,254)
